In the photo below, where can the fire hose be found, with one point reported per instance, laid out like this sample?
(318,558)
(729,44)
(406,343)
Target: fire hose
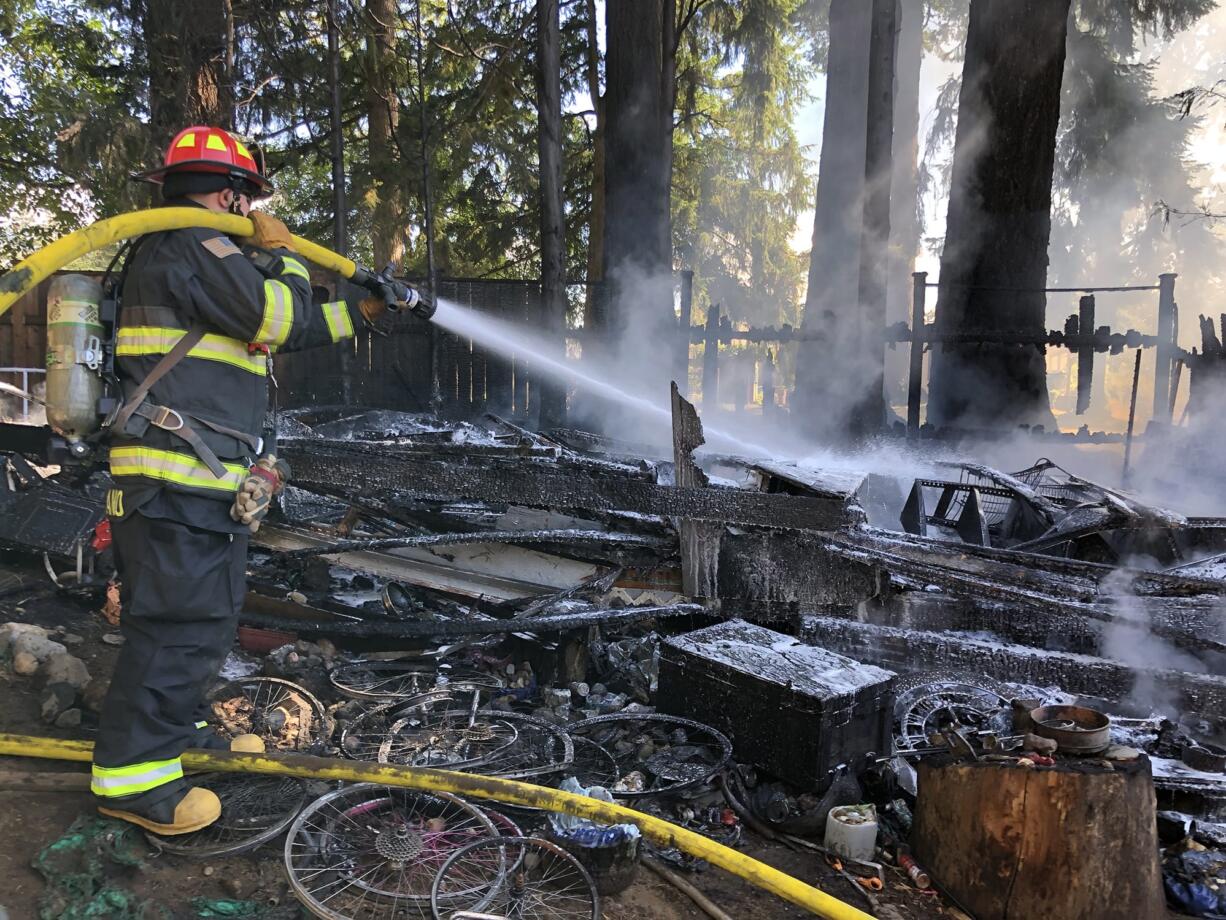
(51,258)
(512,792)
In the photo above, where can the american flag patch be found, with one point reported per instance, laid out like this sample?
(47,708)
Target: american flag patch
(221,246)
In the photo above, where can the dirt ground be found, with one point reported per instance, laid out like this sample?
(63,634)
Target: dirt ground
(30,820)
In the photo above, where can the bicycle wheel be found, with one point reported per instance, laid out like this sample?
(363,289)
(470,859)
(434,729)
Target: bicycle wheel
(526,878)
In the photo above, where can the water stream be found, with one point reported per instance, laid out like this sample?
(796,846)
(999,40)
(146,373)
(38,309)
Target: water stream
(511,340)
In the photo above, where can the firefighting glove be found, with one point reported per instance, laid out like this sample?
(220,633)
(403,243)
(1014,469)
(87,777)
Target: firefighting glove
(373,308)
(264,480)
(269,233)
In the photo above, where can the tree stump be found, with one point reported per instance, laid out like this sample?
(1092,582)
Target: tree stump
(1078,840)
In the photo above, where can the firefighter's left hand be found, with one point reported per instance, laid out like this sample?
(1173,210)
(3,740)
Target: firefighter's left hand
(373,308)
(264,480)
(269,233)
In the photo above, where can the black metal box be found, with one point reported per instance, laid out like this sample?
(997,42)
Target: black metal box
(793,710)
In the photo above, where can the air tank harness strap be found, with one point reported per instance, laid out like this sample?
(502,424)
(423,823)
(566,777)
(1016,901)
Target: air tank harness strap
(170,420)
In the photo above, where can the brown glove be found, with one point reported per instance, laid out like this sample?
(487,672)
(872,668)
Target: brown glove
(264,480)
(269,233)
(373,308)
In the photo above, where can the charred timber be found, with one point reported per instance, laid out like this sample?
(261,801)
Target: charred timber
(280,615)
(349,468)
(561,537)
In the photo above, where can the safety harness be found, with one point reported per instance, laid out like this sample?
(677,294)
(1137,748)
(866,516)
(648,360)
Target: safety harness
(138,412)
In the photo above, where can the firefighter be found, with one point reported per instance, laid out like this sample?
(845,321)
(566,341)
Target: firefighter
(201,315)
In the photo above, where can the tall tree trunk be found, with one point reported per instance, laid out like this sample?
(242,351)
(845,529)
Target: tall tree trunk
(383,116)
(869,409)
(187,49)
(905,228)
(553,243)
(822,386)
(595,234)
(638,147)
(995,259)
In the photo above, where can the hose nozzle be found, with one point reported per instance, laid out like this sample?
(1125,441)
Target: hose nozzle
(424,308)
(396,294)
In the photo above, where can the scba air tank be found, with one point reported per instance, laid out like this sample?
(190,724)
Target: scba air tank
(74,356)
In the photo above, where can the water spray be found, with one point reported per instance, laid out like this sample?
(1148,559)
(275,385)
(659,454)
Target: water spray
(510,340)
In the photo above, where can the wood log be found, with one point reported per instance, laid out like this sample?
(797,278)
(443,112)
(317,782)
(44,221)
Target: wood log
(1075,840)
(699,539)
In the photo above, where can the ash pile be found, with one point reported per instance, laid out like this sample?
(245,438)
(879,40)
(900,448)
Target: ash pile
(756,650)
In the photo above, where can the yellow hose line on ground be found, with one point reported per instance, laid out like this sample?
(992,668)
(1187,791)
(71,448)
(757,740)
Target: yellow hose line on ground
(514,793)
(51,258)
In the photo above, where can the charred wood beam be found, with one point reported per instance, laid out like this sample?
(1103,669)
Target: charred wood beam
(376,469)
(288,615)
(963,574)
(907,650)
(484,536)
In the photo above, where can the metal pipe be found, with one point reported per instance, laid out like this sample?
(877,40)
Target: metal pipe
(512,792)
(682,372)
(1132,414)
(1085,354)
(436,389)
(710,361)
(339,204)
(915,370)
(1165,343)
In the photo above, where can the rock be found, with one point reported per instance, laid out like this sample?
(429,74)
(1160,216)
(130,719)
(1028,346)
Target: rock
(64,668)
(1039,744)
(55,699)
(297,597)
(555,698)
(209,870)
(612,702)
(598,690)
(113,639)
(25,664)
(326,648)
(34,642)
(233,887)
(69,718)
(10,631)
(72,639)
(1121,752)
(94,693)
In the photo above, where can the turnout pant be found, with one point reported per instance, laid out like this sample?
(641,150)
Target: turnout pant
(182,589)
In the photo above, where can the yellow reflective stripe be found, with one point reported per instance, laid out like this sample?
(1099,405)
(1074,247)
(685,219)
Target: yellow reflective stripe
(278,314)
(135,341)
(140,777)
(293,267)
(202,724)
(169,466)
(336,315)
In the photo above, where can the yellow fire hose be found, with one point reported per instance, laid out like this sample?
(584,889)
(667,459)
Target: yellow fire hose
(662,832)
(51,258)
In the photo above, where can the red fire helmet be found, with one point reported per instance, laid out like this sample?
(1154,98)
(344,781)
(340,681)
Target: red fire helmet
(201,149)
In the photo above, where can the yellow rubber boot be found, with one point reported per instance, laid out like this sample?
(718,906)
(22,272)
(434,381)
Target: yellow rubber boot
(247,744)
(195,811)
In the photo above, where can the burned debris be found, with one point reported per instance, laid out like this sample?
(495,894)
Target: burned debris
(766,653)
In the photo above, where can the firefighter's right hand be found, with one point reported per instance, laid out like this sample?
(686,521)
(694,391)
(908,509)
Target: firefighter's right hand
(264,480)
(269,233)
